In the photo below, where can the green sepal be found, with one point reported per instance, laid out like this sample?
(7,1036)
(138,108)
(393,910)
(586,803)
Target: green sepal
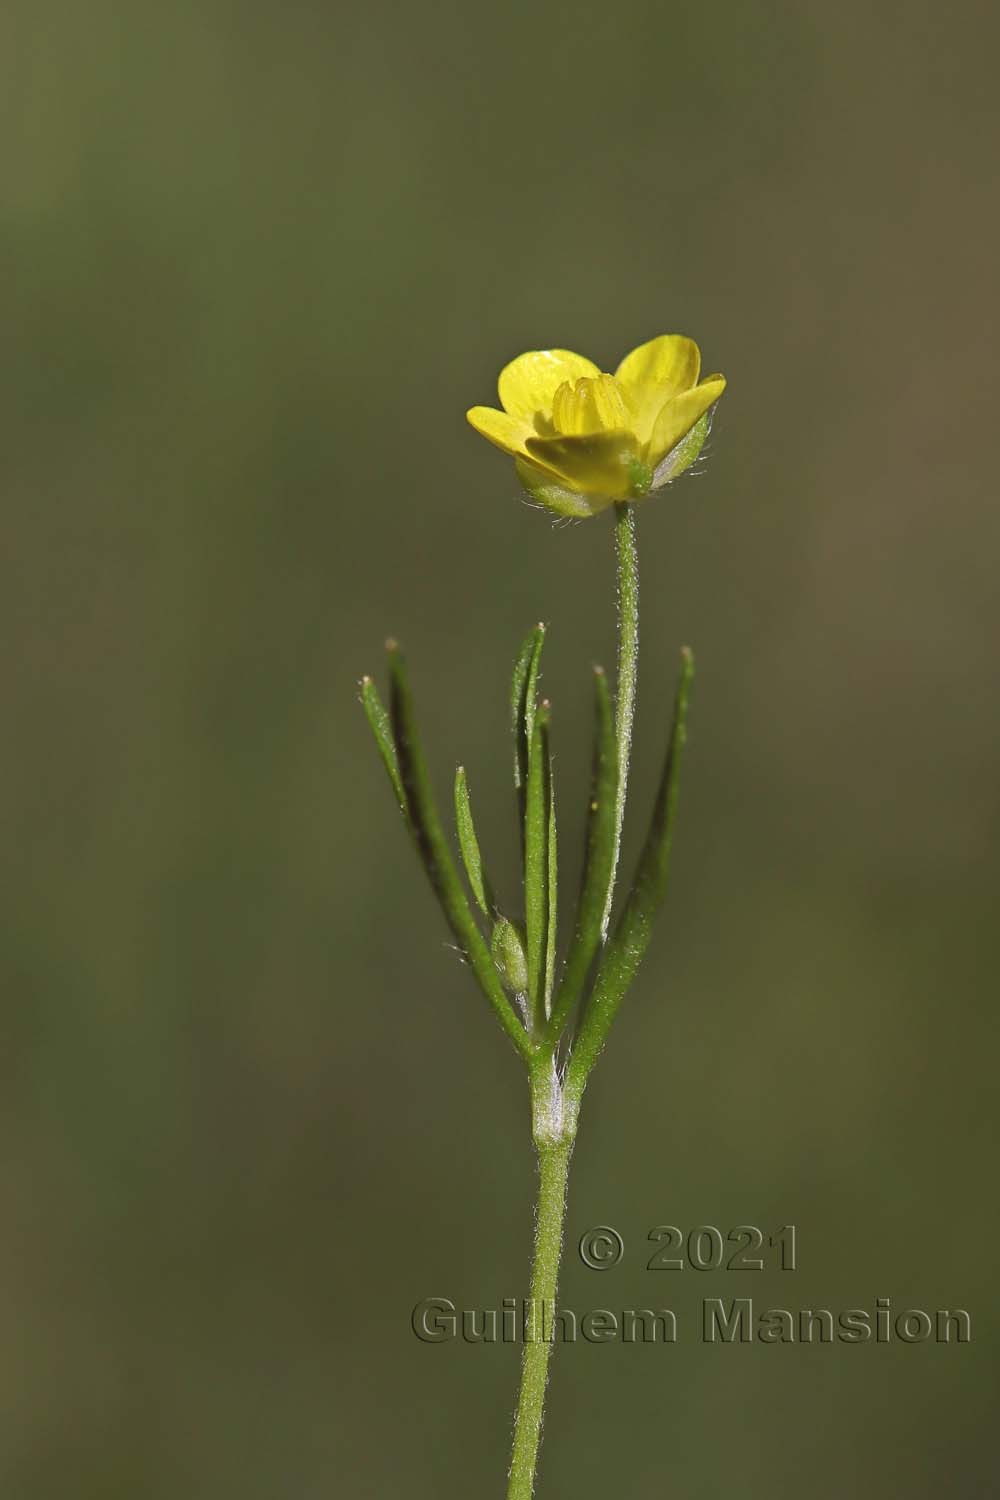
(547,491)
(684,453)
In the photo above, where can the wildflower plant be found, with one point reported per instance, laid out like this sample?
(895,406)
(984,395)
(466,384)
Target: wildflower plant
(583,442)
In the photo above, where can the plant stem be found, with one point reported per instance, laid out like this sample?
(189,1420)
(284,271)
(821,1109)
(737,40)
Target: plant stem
(554,1152)
(628,671)
(554,1112)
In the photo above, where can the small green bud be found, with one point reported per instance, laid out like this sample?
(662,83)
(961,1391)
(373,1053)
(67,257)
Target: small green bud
(507,946)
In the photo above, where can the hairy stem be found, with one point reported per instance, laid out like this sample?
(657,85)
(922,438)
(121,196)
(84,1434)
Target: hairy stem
(554,1113)
(628,671)
(554,1151)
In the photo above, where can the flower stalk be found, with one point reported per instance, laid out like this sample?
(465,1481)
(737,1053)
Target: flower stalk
(628,674)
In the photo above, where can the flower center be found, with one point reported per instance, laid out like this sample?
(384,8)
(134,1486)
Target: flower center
(594,403)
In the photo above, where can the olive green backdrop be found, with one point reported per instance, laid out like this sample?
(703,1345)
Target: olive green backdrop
(257,260)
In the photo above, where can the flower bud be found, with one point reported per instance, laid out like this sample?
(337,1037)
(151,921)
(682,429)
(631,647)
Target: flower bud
(507,946)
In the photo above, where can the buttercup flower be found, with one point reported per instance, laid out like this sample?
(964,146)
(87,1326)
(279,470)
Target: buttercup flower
(582,439)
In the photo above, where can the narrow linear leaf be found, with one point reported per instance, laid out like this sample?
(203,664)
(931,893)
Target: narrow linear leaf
(469,845)
(436,856)
(519,682)
(536,838)
(630,940)
(523,693)
(552,883)
(531,686)
(381,728)
(599,858)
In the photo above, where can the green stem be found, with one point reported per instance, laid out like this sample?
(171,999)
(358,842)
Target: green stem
(554,1110)
(628,671)
(554,1143)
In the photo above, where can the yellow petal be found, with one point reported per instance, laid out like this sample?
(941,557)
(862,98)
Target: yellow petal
(664,367)
(671,362)
(597,463)
(678,416)
(528,383)
(505,431)
(590,405)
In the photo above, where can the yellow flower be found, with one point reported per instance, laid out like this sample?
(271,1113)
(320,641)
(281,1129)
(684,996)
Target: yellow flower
(583,439)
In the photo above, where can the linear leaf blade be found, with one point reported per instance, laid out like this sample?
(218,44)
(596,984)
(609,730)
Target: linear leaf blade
(469,845)
(552,883)
(599,859)
(523,693)
(381,728)
(536,837)
(624,952)
(435,854)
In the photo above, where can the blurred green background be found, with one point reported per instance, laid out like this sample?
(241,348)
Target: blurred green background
(257,260)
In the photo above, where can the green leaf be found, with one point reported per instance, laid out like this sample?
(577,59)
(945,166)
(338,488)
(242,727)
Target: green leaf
(552,904)
(630,940)
(469,845)
(436,856)
(599,859)
(523,692)
(382,730)
(536,843)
